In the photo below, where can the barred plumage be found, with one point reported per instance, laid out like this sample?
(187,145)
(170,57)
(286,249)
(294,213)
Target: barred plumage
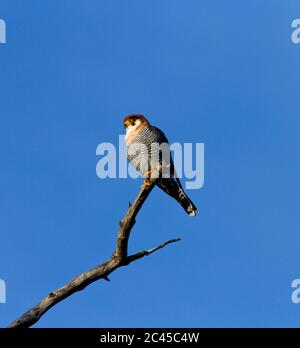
(145,154)
(148,151)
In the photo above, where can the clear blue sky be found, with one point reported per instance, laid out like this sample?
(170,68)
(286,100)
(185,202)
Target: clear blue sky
(220,72)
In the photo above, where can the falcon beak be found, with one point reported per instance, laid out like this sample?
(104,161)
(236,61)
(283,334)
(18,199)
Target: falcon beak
(127,123)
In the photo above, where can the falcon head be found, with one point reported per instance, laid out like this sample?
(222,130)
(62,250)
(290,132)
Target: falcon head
(132,122)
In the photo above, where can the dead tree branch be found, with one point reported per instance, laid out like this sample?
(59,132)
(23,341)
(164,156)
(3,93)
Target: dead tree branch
(119,259)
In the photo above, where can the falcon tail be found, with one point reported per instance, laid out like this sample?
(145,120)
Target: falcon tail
(174,189)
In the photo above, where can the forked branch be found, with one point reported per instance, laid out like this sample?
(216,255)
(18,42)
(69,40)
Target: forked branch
(119,258)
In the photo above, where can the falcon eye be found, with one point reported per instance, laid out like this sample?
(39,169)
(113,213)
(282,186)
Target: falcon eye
(133,119)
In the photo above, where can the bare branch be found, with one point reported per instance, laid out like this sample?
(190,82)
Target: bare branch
(141,254)
(102,271)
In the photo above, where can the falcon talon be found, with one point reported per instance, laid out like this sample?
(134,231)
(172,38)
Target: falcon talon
(146,184)
(148,174)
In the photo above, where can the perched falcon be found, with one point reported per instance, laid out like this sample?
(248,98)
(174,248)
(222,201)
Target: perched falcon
(149,152)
